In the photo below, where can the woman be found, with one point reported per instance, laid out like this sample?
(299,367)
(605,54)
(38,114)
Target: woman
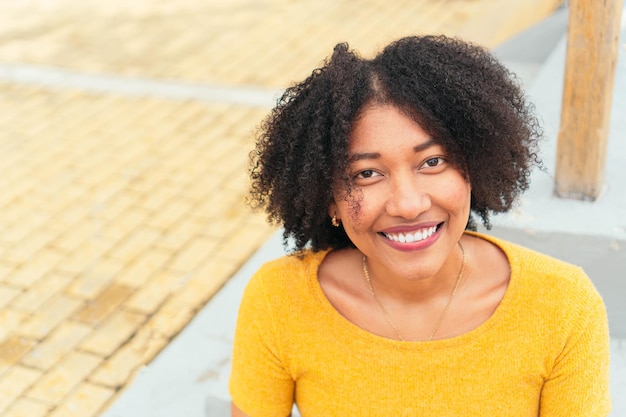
(391,306)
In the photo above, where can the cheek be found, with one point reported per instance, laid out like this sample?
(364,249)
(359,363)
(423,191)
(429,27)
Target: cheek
(353,209)
(455,193)
(461,193)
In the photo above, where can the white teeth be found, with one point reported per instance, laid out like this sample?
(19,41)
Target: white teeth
(411,237)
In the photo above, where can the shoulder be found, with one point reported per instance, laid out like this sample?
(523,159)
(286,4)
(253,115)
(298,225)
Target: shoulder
(529,261)
(288,266)
(281,296)
(284,274)
(547,277)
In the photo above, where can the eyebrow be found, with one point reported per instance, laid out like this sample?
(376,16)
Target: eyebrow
(375,155)
(424,146)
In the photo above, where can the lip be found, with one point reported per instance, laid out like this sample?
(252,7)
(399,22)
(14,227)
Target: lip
(413,246)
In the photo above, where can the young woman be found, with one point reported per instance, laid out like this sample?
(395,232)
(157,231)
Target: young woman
(391,305)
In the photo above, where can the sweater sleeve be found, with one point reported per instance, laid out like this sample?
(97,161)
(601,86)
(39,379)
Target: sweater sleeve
(259,384)
(578,384)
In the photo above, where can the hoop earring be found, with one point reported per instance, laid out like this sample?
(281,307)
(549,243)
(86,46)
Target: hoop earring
(334,221)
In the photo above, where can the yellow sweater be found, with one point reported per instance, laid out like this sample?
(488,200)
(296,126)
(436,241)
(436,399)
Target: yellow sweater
(544,352)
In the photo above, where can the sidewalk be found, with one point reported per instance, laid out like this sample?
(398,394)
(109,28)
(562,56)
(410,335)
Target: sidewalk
(190,376)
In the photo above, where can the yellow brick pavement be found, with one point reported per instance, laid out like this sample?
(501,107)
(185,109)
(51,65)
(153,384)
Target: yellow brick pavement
(122,214)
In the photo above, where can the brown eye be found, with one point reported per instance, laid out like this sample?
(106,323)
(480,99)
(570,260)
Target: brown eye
(433,162)
(366,175)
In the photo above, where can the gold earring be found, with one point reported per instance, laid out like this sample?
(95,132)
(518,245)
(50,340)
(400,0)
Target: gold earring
(334,221)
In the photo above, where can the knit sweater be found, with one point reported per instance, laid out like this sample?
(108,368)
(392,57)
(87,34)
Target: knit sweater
(543,352)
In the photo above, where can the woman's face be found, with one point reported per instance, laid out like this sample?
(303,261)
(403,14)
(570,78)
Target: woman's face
(409,205)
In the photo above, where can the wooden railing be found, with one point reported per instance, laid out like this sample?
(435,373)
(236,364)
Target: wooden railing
(591,58)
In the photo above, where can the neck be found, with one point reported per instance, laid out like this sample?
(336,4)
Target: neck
(408,289)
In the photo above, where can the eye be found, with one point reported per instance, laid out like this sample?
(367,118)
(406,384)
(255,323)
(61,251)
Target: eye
(368,173)
(433,162)
(366,176)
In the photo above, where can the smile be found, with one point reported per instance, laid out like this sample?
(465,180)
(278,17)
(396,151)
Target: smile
(411,237)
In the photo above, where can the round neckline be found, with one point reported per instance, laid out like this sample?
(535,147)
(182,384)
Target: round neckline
(347,327)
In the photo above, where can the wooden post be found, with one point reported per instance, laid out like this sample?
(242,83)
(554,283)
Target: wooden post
(592,47)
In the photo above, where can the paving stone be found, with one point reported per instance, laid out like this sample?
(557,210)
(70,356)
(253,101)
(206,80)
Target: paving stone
(229,222)
(115,206)
(151,295)
(3,248)
(37,267)
(66,375)
(259,219)
(86,401)
(24,407)
(89,255)
(12,350)
(5,270)
(112,333)
(36,295)
(138,241)
(202,187)
(153,201)
(125,223)
(228,164)
(223,205)
(193,254)
(204,283)
(14,382)
(103,305)
(170,213)
(102,180)
(63,339)
(129,359)
(23,238)
(10,319)
(237,182)
(74,211)
(52,313)
(151,176)
(241,243)
(170,318)
(147,264)
(179,235)
(95,278)
(6,401)
(71,239)
(7,294)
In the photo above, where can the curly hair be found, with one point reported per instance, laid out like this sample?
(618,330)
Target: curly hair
(456,91)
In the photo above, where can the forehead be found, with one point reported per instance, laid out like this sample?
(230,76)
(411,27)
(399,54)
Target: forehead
(385,127)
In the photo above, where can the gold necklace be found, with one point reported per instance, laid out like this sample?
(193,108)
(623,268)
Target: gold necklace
(443,313)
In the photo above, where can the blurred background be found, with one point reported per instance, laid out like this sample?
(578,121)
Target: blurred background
(125,128)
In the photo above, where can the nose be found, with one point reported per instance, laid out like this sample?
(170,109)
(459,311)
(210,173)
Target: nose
(407,197)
